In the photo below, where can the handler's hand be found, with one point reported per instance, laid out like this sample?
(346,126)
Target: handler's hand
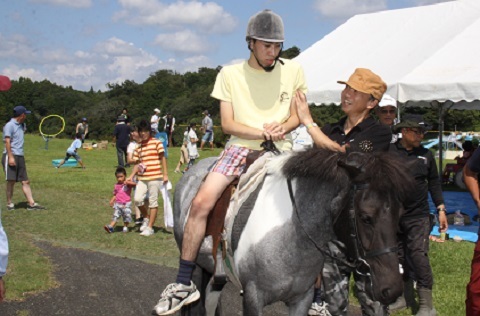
(303,112)
(442,222)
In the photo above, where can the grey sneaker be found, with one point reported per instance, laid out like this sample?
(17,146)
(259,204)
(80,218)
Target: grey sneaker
(11,207)
(36,207)
(319,309)
(174,297)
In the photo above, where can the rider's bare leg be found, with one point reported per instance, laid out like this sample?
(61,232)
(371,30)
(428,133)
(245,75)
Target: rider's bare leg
(202,204)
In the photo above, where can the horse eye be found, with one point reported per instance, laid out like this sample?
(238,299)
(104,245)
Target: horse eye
(366,219)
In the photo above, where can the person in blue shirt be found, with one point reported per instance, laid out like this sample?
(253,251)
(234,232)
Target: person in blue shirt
(13,160)
(72,151)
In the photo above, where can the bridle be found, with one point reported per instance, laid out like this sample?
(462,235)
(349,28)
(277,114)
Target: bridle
(360,263)
(359,251)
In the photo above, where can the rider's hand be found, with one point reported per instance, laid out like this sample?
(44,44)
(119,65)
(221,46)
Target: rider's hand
(274,131)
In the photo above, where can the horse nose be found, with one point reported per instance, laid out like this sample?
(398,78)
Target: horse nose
(389,295)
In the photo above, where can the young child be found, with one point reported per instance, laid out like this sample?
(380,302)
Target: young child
(151,170)
(72,151)
(121,201)
(134,141)
(192,140)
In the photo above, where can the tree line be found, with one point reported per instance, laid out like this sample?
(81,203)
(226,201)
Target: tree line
(185,96)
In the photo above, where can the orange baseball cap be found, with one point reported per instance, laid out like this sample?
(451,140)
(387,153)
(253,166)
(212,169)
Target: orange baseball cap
(364,80)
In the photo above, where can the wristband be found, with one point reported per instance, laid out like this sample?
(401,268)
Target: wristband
(442,210)
(309,126)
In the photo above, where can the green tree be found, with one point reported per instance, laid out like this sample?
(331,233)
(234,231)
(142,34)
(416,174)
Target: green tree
(291,52)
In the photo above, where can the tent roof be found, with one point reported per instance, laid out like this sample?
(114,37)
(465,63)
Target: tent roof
(422,53)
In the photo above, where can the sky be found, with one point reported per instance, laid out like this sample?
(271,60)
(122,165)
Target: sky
(88,43)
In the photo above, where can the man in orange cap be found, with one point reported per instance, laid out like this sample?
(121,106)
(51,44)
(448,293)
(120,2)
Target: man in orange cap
(362,133)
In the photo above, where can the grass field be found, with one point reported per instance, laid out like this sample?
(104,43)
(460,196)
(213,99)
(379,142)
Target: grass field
(77,202)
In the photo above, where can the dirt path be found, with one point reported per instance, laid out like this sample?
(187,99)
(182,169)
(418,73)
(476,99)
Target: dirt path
(93,283)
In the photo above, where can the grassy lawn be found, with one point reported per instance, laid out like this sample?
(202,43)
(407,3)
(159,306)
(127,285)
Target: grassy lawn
(77,202)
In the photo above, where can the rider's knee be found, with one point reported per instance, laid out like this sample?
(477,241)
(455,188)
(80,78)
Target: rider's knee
(201,206)
(26,182)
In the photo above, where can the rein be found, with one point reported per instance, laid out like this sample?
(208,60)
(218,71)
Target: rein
(322,250)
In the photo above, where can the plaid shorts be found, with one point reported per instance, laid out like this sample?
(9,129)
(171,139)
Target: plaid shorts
(232,161)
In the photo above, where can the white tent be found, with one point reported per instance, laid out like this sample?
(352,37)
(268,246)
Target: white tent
(422,53)
(427,55)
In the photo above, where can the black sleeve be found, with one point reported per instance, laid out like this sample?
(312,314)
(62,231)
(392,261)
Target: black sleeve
(383,138)
(326,129)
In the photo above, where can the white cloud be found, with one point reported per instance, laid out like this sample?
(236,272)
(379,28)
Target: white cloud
(427,2)
(342,9)
(183,42)
(66,3)
(113,60)
(15,72)
(16,46)
(206,17)
(117,47)
(234,61)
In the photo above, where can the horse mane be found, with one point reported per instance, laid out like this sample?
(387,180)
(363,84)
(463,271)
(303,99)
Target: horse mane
(390,173)
(382,170)
(315,163)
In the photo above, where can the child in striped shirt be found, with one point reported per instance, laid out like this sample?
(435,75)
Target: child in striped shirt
(151,170)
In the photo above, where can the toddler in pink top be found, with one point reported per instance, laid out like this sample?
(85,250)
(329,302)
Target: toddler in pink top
(121,201)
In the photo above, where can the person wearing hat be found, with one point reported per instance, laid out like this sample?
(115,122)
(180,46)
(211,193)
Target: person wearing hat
(416,223)
(82,128)
(168,128)
(13,160)
(121,136)
(154,121)
(360,132)
(386,112)
(255,99)
(207,128)
(5,85)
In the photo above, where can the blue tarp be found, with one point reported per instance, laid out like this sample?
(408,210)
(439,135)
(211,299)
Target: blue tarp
(463,202)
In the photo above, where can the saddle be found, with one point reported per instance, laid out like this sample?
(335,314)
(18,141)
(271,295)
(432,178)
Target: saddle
(216,218)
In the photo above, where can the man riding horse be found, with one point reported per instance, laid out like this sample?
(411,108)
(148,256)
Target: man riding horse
(256,103)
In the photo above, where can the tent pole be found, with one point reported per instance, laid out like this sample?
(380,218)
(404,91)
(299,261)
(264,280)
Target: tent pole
(440,139)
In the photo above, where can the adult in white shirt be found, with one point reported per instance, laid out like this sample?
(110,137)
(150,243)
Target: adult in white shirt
(154,121)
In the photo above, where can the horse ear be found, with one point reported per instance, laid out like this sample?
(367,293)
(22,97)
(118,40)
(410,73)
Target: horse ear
(353,163)
(353,171)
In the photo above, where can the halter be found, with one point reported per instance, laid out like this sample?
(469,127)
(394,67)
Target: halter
(360,263)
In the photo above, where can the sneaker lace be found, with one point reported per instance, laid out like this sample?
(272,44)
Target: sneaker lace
(170,289)
(323,308)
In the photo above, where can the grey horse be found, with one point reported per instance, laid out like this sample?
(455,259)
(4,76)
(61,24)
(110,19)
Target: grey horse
(280,234)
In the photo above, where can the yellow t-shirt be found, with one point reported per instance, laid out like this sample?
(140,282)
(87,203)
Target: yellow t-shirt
(259,97)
